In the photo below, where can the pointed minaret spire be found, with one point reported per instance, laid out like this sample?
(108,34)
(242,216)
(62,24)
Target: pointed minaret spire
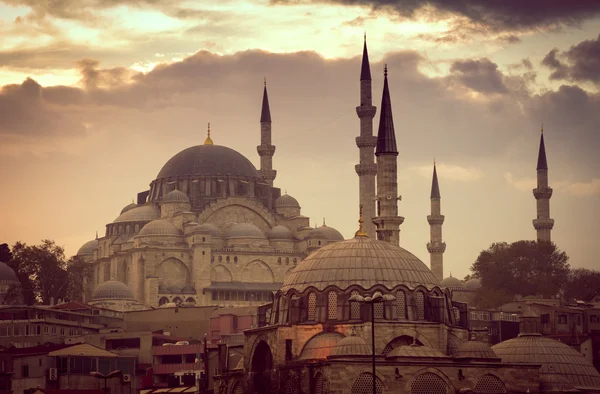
(386,136)
(436,247)
(387,221)
(366,169)
(265,149)
(543,224)
(96,234)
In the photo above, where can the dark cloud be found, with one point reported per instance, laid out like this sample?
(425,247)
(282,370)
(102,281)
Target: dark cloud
(509,15)
(480,75)
(579,63)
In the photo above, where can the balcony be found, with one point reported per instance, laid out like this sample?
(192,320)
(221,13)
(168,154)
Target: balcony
(168,369)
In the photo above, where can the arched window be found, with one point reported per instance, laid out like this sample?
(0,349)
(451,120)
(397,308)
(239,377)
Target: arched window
(319,383)
(489,384)
(364,384)
(220,258)
(227,259)
(238,388)
(456,314)
(127,229)
(354,307)
(312,306)
(379,306)
(332,303)
(177,300)
(420,305)
(137,228)
(400,305)
(191,301)
(428,383)
(287,260)
(279,260)
(282,310)
(235,259)
(163,301)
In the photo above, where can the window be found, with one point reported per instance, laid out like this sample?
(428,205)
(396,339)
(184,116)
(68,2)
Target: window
(312,306)
(420,305)
(545,318)
(364,384)
(428,383)
(46,330)
(562,319)
(332,301)
(400,305)
(578,320)
(38,330)
(25,371)
(53,330)
(593,319)
(3,331)
(378,312)
(489,384)
(354,307)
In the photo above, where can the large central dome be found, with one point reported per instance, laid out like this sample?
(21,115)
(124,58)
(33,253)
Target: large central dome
(208,160)
(360,261)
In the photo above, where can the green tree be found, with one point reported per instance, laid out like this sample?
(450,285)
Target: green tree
(522,267)
(582,284)
(79,274)
(5,254)
(41,270)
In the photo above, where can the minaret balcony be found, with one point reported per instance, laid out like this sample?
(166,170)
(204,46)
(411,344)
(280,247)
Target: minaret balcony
(386,221)
(266,150)
(543,224)
(268,175)
(369,141)
(435,219)
(366,111)
(542,193)
(366,169)
(436,247)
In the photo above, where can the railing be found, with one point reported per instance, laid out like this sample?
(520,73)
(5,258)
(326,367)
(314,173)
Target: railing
(166,369)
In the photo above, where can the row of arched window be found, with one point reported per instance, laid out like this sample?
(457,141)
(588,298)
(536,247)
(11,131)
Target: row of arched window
(123,229)
(177,300)
(281,260)
(227,259)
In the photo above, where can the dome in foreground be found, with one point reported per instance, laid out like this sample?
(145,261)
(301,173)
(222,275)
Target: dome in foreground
(360,261)
(160,227)
(474,349)
(555,357)
(112,290)
(7,274)
(142,213)
(205,160)
(87,249)
(351,346)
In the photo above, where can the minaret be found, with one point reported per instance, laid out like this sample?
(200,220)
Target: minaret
(542,193)
(387,221)
(436,247)
(265,149)
(366,141)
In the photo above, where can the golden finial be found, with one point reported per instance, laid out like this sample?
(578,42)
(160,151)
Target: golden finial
(542,128)
(434,161)
(385,70)
(208,141)
(265,82)
(361,232)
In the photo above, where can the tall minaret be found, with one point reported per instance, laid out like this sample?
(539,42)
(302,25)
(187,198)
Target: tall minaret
(366,169)
(387,221)
(542,193)
(436,247)
(265,149)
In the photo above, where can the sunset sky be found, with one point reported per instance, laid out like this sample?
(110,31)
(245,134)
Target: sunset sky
(96,95)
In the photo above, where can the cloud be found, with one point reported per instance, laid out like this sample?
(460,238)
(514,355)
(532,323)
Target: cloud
(585,189)
(480,75)
(525,184)
(579,63)
(578,189)
(450,172)
(494,15)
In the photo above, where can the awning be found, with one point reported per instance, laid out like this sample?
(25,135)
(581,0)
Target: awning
(245,286)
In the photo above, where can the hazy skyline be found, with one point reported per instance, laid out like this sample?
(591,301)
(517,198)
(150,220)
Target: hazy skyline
(95,97)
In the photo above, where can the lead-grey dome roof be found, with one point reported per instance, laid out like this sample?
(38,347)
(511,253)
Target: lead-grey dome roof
(244,230)
(143,213)
(452,283)
(7,274)
(87,249)
(160,227)
(474,349)
(128,207)
(175,196)
(207,228)
(208,160)
(330,233)
(112,290)
(360,261)
(555,357)
(280,232)
(351,345)
(286,201)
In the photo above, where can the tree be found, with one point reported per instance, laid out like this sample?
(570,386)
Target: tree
(5,254)
(582,284)
(79,275)
(523,267)
(41,270)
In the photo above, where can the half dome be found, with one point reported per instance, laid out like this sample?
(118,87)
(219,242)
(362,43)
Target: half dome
(351,345)
(360,261)
(112,290)
(160,227)
(87,249)
(244,230)
(142,213)
(280,233)
(205,160)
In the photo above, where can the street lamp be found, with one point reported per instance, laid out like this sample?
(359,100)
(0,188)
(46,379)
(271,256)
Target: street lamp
(105,377)
(372,300)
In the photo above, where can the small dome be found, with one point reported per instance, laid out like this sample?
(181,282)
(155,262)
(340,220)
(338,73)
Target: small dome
(7,274)
(128,207)
(244,230)
(188,289)
(88,248)
(473,284)
(112,290)
(360,261)
(160,227)
(414,351)
(474,349)
(315,234)
(142,213)
(352,346)
(330,233)
(320,346)
(452,283)
(176,196)
(286,201)
(209,228)
(556,358)
(280,232)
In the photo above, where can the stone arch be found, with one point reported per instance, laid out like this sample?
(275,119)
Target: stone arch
(429,381)
(402,340)
(319,383)
(261,366)
(163,301)
(257,271)
(382,342)
(190,300)
(220,212)
(177,300)
(172,272)
(220,273)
